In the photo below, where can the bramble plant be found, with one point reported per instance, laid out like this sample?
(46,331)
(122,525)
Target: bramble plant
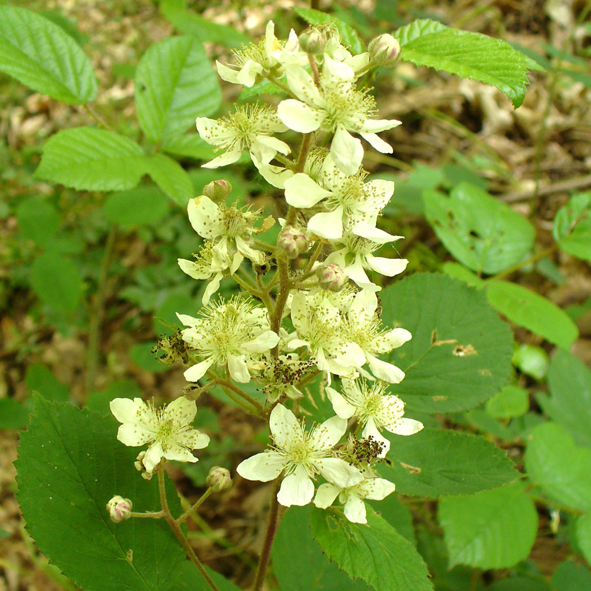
(294,324)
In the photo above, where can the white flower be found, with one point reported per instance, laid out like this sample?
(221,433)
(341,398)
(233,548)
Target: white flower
(375,489)
(301,456)
(250,128)
(227,333)
(229,229)
(167,430)
(374,410)
(334,107)
(364,328)
(349,200)
(355,255)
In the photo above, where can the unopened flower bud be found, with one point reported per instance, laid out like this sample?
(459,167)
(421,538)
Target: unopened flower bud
(218,190)
(292,241)
(139,466)
(312,40)
(384,50)
(218,479)
(119,509)
(331,277)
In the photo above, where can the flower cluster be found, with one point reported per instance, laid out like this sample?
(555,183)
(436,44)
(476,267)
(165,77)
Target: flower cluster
(309,307)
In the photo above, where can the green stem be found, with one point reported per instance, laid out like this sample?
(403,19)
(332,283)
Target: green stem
(230,388)
(196,506)
(178,532)
(282,86)
(98,119)
(148,515)
(97,312)
(269,537)
(534,258)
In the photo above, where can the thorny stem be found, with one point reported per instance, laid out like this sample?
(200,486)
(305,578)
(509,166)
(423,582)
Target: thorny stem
(195,506)
(272,524)
(534,258)
(178,532)
(97,312)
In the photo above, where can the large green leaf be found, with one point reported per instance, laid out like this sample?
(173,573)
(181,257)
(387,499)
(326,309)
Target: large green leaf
(483,233)
(469,55)
(42,56)
(562,469)
(38,220)
(174,84)
(519,583)
(190,579)
(41,379)
(91,159)
(191,146)
(141,206)
(377,554)
(436,462)
(171,177)
(569,576)
(570,401)
(491,529)
(583,531)
(348,34)
(572,226)
(57,282)
(533,311)
(70,464)
(460,352)
(298,562)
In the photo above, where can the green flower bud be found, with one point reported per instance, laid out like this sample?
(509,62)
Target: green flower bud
(313,41)
(119,509)
(292,241)
(384,50)
(331,277)
(218,190)
(219,479)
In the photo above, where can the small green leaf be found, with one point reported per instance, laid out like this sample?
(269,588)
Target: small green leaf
(491,529)
(70,464)
(519,584)
(37,220)
(171,177)
(13,415)
(436,462)
(562,469)
(460,272)
(583,532)
(533,311)
(460,352)
(142,206)
(42,56)
(481,232)
(89,159)
(569,576)
(510,402)
(348,34)
(572,226)
(377,554)
(174,84)
(191,146)
(531,360)
(57,282)
(41,379)
(468,55)
(298,562)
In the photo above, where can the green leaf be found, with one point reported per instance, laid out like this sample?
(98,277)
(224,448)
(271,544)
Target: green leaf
(13,415)
(570,401)
(191,146)
(519,584)
(460,272)
(42,56)
(57,282)
(583,532)
(171,177)
(89,159)
(142,354)
(174,84)
(298,562)
(510,402)
(203,29)
(491,529)
(436,462)
(142,206)
(460,352)
(190,579)
(37,220)
(531,360)
(572,227)
(533,311)
(348,34)
(70,464)
(468,55)
(571,577)
(41,379)
(377,554)
(562,469)
(99,401)
(481,232)
(397,514)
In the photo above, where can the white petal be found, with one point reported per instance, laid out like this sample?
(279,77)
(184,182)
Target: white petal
(264,342)
(188,320)
(346,151)
(126,410)
(133,434)
(296,489)
(204,216)
(328,434)
(179,454)
(274,144)
(406,427)
(196,372)
(153,456)
(338,70)
(355,510)
(301,191)
(339,404)
(325,495)
(328,225)
(284,426)
(274,175)
(256,256)
(357,272)
(385,371)
(182,410)
(227,74)
(212,287)
(377,125)
(192,439)
(358,62)
(194,270)
(228,157)
(370,430)
(377,143)
(212,131)
(378,489)
(269,38)
(263,467)
(238,368)
(299,116)
(339,472)
(248,73)
(385,266)
(393,339)
(303,86)
(372,233)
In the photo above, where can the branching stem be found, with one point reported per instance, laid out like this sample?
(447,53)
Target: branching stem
(195,506)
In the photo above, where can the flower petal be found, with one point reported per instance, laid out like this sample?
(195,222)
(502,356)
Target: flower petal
(384,371)
(406,427)
(248,73)
(229,157)
(346,151)
(180,454)
(227,74)
(181,410)
(343,409)
(372,233)
(385,266)
(339,70)
(370,430)
(264,342)
(126,410)
(204,216)
(328,225)
(301,191)
(303,86)
(212,287)
(133,435)
(377,125)
(263,467)
(299,116)
(378,489)
(392,339)
(339,472)
(355,510)
(296,489)
(153,456)
(377,143)
(325,495)
(196,372)
(238,368)
(284,426)
(328,434)
(274,175)
(192,439)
